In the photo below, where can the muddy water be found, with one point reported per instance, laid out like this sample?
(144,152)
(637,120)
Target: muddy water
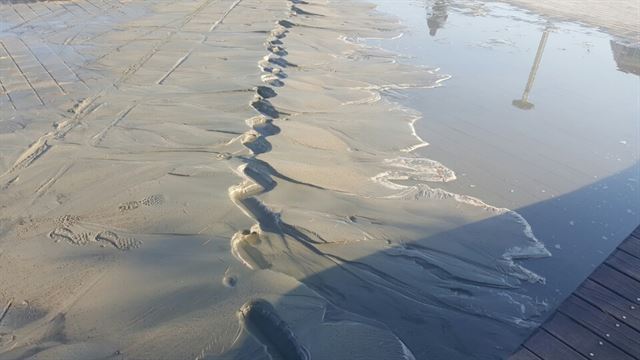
(539,116)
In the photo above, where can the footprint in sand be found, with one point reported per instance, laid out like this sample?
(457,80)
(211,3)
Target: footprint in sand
(68,220)
(244,248)
(264,107)
(261,319)
(277,50)
(153,200)
(266,92)
(272,80)
(128,206)
(71,231)
(120,243)
(229,281)
(66,234)
(255,142)
(149,201)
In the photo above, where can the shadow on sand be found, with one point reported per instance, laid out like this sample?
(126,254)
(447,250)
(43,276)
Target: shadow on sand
(457,322)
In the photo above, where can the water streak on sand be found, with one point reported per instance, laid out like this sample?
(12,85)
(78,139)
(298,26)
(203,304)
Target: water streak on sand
(425,170)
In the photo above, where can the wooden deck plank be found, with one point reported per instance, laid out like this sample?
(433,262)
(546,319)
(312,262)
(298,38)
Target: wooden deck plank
(617,282)
(610,303)
(548,347)
(602,324)
(524,354)
(582,340)
(626,264)
(601,319)
(632,246)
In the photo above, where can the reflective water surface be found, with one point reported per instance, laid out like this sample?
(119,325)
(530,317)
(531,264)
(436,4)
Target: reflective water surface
(539,116)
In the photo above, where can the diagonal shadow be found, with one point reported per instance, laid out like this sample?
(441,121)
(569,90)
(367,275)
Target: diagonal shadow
(462,317)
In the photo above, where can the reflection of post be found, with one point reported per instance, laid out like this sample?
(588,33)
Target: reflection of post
(627,57)
(524,103)
(438,16)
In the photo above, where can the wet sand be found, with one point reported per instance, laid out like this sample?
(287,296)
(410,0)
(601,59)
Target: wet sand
(225,180)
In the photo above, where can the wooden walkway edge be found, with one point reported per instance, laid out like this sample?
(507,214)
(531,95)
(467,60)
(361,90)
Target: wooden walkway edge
(601,319)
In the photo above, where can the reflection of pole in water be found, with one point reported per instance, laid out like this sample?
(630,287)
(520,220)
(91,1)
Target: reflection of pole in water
(524,103)
(437,17)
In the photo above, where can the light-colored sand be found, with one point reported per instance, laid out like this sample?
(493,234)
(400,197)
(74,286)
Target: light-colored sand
(168,167)
(620,17)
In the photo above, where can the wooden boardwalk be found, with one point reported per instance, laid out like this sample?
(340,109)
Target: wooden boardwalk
(601,319)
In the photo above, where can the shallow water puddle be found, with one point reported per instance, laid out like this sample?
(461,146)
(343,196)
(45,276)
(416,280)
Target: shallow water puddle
(539,116)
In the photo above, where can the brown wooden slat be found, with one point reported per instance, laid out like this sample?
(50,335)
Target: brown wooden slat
(547,347)
(632,246)
(524,354)
(602,324)
(601,319)
(617,282)
(625,263)
(582,340)
(611,303)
